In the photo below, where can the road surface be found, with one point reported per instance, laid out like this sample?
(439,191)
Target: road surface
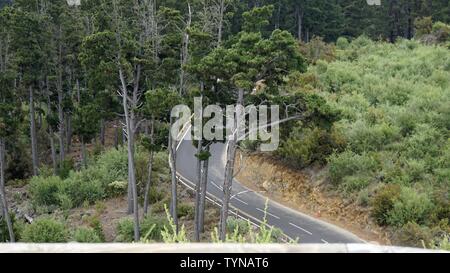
(250,205)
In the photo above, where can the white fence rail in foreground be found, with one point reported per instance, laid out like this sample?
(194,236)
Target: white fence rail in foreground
(204,248)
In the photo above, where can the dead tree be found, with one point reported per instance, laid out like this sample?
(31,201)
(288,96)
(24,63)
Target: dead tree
(33,136)
(185,51)
(229,167)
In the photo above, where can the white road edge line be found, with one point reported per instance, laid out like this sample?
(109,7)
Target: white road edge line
(237,199)
(302,229)
(181,178)
(268,213)
(217,186)
(324,241)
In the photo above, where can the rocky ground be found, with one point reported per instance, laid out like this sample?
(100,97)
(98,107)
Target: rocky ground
(307,191)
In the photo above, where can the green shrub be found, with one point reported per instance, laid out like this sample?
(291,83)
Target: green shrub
(442,31)
(44,190)
(125,230)
(354,183)
(65,201)
(442,243)
(155,195)
(86,235)
(158,207)
(17,228)
(413,235)
(238,224)
(117,188)
(363,137)
(65,168)
(80,189)
(383,203)
(306,146)
(277,235)
(185,210)
(113,163)
(423,26)
(441,201)
(317,49)
(45,230)
(151,228)
(411,206)
(342,43)
(349,163)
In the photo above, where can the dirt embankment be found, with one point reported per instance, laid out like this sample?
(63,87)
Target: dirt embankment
(307,192)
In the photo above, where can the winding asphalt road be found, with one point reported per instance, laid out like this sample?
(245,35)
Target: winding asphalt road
(250,205)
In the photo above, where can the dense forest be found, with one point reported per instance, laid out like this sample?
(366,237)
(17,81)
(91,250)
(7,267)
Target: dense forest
(86,93)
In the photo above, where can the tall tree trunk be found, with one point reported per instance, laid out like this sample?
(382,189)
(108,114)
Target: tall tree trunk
(102,132)
(130,123)
(409,30)
(116,135)
(51,134)
(278,16)
(199,134)
(61,124)
(173,174)
(78,91)
(299,16)
(68,133)
(150,169)
(34,149)
(203,187)
(393,21)
(53,150)
(229,168)
(61,128)
(124,134)
(197,193)
(220,25)
(83,153)
(4,202)
(185,52)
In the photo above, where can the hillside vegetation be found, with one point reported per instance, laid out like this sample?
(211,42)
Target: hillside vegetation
(390,147)
(87,92)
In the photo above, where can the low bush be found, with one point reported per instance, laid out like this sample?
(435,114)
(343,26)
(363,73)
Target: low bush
(86,235)
(17,228)
(240,225)
(277,235)
(44,190)
(66,167)
(349,163)
(383,202)
(155,195)
(117,188)
(410,206)
(152,226)
(306,146)
(317,49)
(185,210)
(158,207)
(342,43)
(45,230)
(93,221)
(354,183)
(412,235)
(125,230)
(150,229)
(81,189)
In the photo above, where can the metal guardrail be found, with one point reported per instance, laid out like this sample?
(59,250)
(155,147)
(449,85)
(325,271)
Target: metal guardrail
(205,248)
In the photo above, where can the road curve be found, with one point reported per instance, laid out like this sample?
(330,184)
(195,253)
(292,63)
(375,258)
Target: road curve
(250,205)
